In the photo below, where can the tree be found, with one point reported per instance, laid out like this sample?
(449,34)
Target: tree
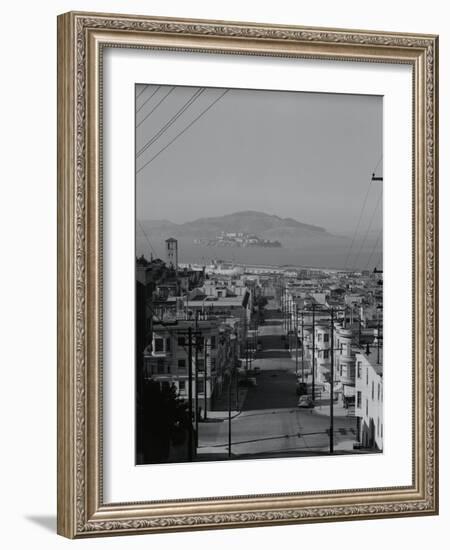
(165,420)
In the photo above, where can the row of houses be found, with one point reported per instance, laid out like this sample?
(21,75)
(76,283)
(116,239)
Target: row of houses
(344,336)
(191,327)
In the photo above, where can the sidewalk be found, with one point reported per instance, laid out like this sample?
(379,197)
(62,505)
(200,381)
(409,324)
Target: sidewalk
(220,416)
(322,401)
(323,407)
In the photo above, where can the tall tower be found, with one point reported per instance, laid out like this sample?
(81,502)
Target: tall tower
(172,252)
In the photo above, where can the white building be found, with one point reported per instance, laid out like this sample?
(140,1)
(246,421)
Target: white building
(369,398)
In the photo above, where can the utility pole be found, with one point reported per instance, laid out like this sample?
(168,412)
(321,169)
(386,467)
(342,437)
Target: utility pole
(303,350)
(288,315)
(313,352)
(290,323)
(296,340)
(332,384)
(236,377)
(246,356)
(229,415)
(190,446)
(206,379)
(378,337)
(359,326)
(197,342)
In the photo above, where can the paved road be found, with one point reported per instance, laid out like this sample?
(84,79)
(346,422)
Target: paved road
(270,424)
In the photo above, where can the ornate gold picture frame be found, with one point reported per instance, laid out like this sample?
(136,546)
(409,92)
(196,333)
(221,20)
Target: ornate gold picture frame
(82,40)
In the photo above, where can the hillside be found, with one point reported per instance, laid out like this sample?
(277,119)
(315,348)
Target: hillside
(265,225)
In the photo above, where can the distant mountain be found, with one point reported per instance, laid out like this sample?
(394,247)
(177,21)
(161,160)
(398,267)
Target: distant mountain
(298,240)
(248,221)
(264,225)
(159,224)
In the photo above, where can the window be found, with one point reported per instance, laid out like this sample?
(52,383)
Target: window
(200,364)
(359,367)
(181,341)
(200,386)
(373,390)
(326,337)
(160,366)
(181,363)
(319,337)
(358,399)
(159,344)
(182,386)
(367,376)
(213,363)
(167,344)
(326,353)
(213,342)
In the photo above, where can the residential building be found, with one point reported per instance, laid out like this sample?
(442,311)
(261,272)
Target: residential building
(345,347)
(369,397)
(211,347)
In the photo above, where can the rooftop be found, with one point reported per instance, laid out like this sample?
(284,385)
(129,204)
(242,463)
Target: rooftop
(184,325)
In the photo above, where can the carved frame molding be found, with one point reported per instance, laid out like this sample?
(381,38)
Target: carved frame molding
(81,37)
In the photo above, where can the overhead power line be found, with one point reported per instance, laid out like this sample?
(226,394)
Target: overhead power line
(375,246)
(141,92)
(182,132)
(155,107)
(361,214)
(147,238)
(148,99)
(169,123)
(367,230)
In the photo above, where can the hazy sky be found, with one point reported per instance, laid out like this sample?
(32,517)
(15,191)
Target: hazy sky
(308,156)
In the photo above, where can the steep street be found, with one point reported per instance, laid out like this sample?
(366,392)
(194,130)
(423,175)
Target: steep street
(270,423)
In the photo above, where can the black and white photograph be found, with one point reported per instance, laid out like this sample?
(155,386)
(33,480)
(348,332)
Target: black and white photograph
(259,274)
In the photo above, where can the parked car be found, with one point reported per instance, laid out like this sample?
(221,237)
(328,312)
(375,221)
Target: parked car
(305,402)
